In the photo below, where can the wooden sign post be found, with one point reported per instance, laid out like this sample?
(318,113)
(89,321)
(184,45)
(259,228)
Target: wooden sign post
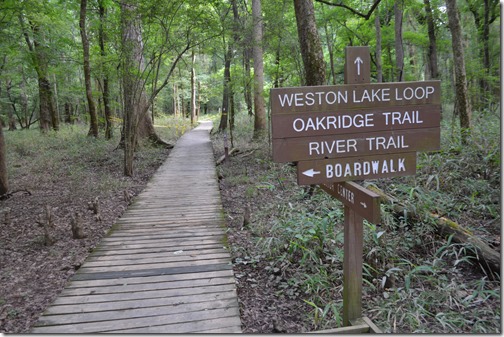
(353,237)
(355,131)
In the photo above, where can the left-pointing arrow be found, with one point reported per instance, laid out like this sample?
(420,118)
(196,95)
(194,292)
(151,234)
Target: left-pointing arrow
(310,173)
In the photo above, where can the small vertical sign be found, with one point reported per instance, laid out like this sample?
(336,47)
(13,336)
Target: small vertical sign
(357,65)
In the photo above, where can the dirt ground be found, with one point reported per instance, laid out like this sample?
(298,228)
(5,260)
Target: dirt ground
(32,273)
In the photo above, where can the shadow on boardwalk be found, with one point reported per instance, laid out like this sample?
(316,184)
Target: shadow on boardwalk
(163,268)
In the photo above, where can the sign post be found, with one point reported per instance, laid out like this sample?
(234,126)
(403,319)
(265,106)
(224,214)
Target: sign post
(354,232)
(355,131)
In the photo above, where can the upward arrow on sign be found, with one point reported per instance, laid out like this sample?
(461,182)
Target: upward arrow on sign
(358,61)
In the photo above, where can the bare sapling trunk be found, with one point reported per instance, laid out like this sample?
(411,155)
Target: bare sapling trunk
(93,128)
(4,182)
(462,105)
(257,55)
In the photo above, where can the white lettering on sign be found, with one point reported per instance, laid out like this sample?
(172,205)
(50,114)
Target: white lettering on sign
(313,98)
(371,95)
(345,193)
(410,93)
(400,118)
(333,122)
(365,168)
(335,146)
(386,143)
(356,95)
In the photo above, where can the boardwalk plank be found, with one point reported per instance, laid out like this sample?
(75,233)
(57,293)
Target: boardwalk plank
(156,253)
(140,322)
(148,279)
(227,324)
(125,288)
(140,266)
(159,260)
(139,303)
(135,313)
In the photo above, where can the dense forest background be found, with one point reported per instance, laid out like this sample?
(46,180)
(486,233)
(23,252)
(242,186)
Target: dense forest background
(66,62)
(85,85)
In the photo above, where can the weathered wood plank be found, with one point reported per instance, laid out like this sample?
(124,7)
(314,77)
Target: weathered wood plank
(167,235)
(161,249)
(150,272)
(148,279)
(138,303)
(231,323)
(123,241)
(139,255)
(77,318)
(160,243)
(159,260)
(141,322)
(140,266)
(143,294)
(147,286)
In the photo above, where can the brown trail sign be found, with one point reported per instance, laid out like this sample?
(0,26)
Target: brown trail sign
(360,199)
(325,171)
(355,131)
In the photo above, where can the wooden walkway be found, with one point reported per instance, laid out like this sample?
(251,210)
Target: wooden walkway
(162,268)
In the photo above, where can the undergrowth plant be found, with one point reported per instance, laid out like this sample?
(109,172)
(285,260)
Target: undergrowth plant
(414,279)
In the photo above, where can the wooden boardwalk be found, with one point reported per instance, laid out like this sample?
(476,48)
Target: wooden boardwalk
(162,268)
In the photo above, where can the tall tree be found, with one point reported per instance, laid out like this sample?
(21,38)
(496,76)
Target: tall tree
(34,38)
(378,51)
(399,50)
(432,52)
(4,182)
(132,95)
(257,55)
(193,88)
(102,37)
(485,13)
(93,128)
(226,86)
(462,105)
(309,40)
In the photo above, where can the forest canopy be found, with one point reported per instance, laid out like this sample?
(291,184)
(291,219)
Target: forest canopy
(119,64)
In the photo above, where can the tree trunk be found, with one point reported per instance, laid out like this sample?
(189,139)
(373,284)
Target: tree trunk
(446,227)
(247,87)
(193,88)
(4,183)
(484,14)
(93,129)
(48,116)
(23,120)
(68,113)
(379,69)
(309,41)
(109,126)
(431,27)
(330,50)
(257,55)
(225,92)
(131,59)
(399,50)
(12,110)
(462,105)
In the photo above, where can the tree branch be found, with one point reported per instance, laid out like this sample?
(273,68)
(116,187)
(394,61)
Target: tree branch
(340,4)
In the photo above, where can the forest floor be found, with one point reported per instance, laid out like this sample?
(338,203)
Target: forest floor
(33,273)
(286,246)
